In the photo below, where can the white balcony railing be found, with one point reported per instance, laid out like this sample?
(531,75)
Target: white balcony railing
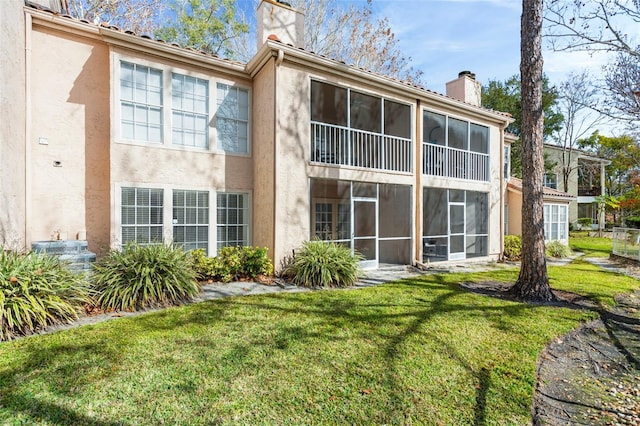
(443,161)
(340,145)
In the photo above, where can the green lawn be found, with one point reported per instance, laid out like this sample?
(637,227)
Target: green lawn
(419,351)
(590,246)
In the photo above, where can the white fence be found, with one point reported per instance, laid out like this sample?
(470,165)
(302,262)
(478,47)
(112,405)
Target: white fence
(626,243)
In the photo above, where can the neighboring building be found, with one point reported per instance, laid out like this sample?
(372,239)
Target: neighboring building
(116,138)
(586,181)
(556,212)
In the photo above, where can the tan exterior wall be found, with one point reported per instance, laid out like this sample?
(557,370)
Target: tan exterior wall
(12,130)
(514,212)
(292,221)
(69,138)
(263,159)
(170,166)
(493,187)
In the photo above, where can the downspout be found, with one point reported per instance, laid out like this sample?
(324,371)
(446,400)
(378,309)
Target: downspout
(278,62)
(503,195)
(417,166)
(27,131)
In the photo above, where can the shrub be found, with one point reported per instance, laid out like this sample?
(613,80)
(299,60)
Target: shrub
(324,264)
(256,262)
(585,222)
(37,290)
(557,249)
(512,247)
(142,276)
(633,221)
(232,263)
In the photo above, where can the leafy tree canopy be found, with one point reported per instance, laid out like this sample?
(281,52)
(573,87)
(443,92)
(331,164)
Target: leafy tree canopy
(207,25)
(506,96)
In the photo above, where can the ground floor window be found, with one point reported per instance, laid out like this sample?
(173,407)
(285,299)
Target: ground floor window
(455,224)
(232,219)
(373,219)
(191,219)
(556,225)
(144,217)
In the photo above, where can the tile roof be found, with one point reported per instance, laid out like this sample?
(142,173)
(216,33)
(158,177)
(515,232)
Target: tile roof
(516,183)
(272,38)
(129,32)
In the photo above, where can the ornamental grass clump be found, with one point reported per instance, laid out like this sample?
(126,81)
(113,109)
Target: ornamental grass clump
(323,264)
(139,277)
(557,249)
(37,290)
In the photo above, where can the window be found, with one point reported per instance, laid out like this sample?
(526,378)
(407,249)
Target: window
(507,162)
(141,215)
(191,219)
(232,118)
(550,180)
(141,103)
(233,219)
(189,111)
(555,222)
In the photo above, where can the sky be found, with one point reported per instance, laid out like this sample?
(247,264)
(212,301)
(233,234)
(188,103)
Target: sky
(444,37)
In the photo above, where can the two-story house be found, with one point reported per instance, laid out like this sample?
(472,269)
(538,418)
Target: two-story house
(117,137)
(585,180)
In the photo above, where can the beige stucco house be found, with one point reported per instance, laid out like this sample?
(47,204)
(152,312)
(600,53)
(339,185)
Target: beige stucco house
(555,210)
(115,137)
(586,181)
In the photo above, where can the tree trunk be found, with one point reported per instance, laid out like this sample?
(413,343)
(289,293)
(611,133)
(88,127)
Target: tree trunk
(533,282)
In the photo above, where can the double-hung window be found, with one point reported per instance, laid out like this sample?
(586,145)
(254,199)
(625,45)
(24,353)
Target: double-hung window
(141,215)
(141,103)
(143,211)
(550,180)
(555,222)
(232,118)
(232,219)
(189,111)
(191,219)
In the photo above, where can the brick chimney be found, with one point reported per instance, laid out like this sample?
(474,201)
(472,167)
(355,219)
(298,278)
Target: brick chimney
(280,19)
(465,88)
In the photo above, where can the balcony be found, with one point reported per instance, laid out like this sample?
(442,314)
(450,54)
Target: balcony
(331,144)
(589,191)
(438,160)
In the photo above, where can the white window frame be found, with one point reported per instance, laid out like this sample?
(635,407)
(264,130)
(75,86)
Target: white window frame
(187,113)
(550,183)
(561,228)
(147,107)
(201,221)
(167,214)
(237,119)
(335,216)
(138,209)
(167,70)
(247,216)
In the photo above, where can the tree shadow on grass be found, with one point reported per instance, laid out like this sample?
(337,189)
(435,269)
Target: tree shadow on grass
(67,381)
(332,316)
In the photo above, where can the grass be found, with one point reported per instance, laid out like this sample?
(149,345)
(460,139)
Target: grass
(420,351)
(590,246)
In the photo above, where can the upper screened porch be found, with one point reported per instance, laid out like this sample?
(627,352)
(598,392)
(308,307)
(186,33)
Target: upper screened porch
(360,130)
